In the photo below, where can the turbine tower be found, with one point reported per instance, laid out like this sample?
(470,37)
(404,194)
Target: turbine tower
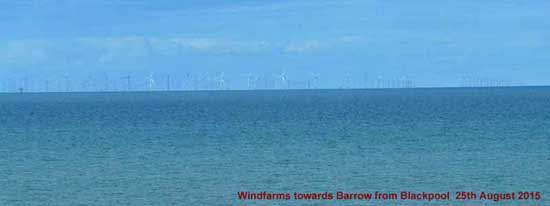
(168,81)
(47,85)
(106,83)
(187,82)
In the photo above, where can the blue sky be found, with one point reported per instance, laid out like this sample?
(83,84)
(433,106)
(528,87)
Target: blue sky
(433,43)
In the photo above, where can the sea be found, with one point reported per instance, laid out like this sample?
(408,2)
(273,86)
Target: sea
(199,148)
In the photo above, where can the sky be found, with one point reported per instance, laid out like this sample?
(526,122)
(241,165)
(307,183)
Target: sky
(330,44)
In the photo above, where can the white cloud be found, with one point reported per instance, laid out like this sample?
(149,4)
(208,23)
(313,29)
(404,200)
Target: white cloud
(220,45)
(316,45)
(353,39)
(304,46)
(139,46)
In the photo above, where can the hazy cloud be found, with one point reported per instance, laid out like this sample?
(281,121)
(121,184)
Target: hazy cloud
(316,45)
(24,52)
(116,49)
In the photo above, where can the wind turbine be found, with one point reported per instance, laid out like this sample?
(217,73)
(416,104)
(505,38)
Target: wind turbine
(88,83)
(106,83)
(25,84)
(365,81)
(250,80)
(283,79)
(168,82)
(402,82)
(187,82)
(314,81)
(67,83)
(379,81)
(22,84)
(47,85)
(221,81)
(348,82)
(410,83)
(150,81)
(128,81)
(261,82)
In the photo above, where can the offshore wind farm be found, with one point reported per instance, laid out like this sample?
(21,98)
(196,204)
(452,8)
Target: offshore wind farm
(221,81)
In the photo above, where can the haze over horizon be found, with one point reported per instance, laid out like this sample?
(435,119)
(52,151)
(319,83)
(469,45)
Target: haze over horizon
(348,43)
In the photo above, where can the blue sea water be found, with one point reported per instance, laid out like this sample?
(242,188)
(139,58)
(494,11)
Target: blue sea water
(201,148)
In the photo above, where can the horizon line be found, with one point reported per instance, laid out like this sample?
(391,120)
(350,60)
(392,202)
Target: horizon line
(301,89)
